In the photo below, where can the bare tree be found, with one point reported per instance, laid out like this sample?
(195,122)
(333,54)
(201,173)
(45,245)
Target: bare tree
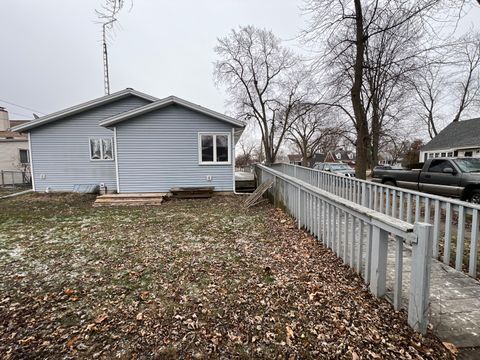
(448,87)
(248,151)
(347,27)
(264,80)
(312,131)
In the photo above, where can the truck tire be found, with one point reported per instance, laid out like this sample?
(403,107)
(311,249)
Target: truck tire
(474,196)
(389,183)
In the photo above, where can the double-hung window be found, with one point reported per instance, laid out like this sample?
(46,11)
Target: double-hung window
(214,148)
(101,148)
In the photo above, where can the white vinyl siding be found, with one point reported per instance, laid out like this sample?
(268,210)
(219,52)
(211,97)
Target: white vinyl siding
(60,150)
(160,150)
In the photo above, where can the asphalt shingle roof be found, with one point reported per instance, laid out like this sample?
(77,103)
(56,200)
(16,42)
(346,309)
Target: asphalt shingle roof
(459,134)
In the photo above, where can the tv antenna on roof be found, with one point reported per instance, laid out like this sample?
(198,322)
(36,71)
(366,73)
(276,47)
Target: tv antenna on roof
(108,18)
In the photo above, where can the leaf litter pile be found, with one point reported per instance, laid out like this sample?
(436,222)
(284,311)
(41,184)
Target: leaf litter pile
(193,279)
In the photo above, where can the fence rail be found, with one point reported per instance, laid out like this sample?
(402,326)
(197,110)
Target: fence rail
(12,178)
(360,236)
(455,223)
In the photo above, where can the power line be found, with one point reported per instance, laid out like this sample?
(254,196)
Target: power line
(23,107)
(22,115)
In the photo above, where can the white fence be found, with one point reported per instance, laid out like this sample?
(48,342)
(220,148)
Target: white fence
(14,178)
(455,222)
(360,237)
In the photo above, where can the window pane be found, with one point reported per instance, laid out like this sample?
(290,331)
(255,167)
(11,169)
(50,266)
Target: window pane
(222,148)
(24,158)
(107,149)
(95,149)
(439,165)
(207,147)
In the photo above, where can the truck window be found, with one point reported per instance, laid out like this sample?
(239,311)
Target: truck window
(439,165)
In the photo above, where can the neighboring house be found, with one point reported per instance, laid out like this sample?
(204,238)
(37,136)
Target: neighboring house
(317,158)
(458,139)
(133,142)
(14,155)
(385,158)
(295,159)
(341,156)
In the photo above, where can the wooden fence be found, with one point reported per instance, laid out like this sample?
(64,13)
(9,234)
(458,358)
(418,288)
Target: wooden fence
(455,223)
(360,236)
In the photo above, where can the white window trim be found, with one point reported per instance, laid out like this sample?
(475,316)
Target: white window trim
(101,148)
(214,162)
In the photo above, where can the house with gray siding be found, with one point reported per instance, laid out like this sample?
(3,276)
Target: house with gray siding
(132,142)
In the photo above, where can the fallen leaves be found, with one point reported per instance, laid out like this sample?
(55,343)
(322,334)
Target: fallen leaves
(192,279)
(290,335)
(101,318)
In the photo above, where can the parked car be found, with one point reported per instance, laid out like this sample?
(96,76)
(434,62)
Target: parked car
(455,177)
(336,168)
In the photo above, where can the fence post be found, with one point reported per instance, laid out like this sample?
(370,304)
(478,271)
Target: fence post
(13,179)
(274,189)
(299,208)
(419,297)
(378,269)
(3,178)
(364,194)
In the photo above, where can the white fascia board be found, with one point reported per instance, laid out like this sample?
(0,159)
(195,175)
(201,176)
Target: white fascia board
(79,108)
(165,102)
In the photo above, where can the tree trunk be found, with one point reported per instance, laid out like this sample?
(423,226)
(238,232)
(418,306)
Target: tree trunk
(305,157)
(375,132)
(358,110)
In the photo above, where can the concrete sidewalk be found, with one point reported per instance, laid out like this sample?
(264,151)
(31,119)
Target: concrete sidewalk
(455,303)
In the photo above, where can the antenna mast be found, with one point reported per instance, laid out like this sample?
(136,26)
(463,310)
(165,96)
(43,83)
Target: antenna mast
(108,16)
(106,78)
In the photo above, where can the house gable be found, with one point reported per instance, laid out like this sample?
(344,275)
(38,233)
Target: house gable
(60,152)
(168,101)
(160,149)
(86,106)
(457,135)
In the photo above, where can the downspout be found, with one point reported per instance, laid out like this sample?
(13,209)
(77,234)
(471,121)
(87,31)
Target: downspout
(233,162)
(31,160)
(116,158)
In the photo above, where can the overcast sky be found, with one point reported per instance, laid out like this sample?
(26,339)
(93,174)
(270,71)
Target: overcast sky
(51,55)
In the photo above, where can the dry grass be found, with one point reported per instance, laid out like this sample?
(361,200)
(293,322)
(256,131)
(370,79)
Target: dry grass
(189,279)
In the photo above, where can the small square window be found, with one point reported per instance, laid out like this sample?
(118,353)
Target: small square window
(101,149)
(214,148)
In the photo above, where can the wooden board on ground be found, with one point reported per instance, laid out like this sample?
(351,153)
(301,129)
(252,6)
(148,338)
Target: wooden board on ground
(192,192)
(129,199)
(256,196)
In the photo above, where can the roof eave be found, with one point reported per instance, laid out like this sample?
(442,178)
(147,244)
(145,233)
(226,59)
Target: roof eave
(166,102)
(80,108)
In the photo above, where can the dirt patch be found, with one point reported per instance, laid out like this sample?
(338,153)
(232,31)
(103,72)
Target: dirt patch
(189,279)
